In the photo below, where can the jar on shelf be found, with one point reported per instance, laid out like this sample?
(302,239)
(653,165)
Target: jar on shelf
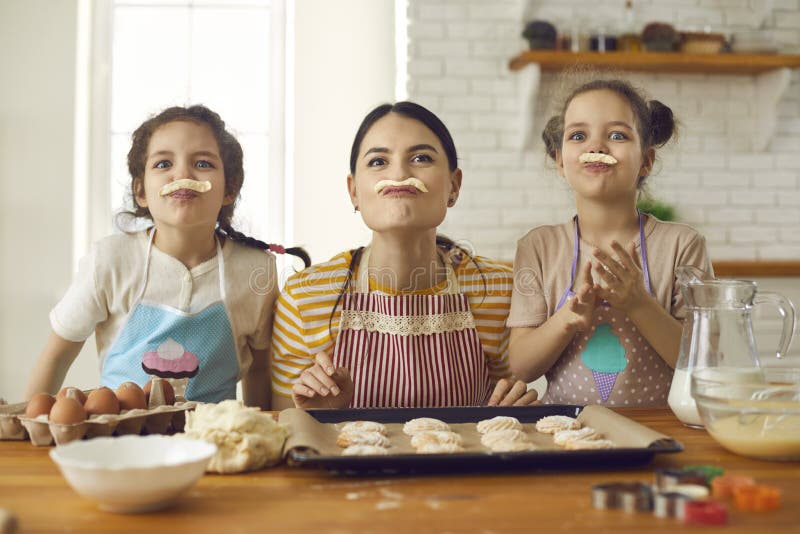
(629,39)
(602,41)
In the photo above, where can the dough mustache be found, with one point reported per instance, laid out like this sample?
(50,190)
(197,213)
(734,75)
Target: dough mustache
(414,182)
(596,157)
(185,183)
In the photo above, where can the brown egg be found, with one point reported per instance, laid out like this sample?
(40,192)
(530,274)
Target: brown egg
(75,393)
(41,403)
(130,396)
(67,411)
(101,400)
(166,388)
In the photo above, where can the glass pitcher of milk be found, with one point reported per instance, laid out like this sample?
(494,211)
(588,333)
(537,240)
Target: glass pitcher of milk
(718,332)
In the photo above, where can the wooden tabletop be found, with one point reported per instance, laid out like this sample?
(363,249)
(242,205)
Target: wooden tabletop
(298,500)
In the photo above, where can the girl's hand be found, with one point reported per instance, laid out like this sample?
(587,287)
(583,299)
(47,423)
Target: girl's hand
(508,393)
(576,313)
(623,281)
(323,386)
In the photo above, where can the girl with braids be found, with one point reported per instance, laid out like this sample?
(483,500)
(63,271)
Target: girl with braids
(189,297)
(412,319)
(596,306)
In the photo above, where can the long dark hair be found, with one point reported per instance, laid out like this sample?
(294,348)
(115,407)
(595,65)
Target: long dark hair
(232,161)
(419,113)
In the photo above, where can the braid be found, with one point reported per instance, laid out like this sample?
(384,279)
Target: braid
(356,256)
(226,230)
(448,244)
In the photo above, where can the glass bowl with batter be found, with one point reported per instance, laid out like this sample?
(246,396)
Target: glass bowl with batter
(758,417)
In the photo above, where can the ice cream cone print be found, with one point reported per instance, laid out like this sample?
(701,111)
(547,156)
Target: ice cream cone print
(605,357)
(605,383)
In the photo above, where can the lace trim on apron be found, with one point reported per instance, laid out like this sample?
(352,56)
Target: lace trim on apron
(410,325)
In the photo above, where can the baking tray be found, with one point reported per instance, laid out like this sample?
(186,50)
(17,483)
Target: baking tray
(619,457)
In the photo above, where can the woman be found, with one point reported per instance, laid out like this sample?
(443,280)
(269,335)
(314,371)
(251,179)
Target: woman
(413,319)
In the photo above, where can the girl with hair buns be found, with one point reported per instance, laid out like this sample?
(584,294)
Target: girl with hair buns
(413,319)
(596,306)
(187,298)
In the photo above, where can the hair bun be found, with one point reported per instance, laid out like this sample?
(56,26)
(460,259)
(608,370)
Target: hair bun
(662,122)
(552,135)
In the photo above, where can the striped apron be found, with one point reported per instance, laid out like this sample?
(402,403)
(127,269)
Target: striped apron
(411,350)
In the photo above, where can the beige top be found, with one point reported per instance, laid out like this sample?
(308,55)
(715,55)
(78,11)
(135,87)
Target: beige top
(544,259)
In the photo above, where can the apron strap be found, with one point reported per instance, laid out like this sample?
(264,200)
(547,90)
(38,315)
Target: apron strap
(575,252)
(146,265)
(220,267)
(362,282)
(643,254)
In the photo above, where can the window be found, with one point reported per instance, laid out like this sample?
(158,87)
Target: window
(228,55)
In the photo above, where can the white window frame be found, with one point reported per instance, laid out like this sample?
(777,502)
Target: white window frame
(93,215)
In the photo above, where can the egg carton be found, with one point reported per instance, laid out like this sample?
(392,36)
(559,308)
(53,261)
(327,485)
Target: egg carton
(10,426)
(158,418)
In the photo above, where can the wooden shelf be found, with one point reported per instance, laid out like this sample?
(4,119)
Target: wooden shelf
(743,268)
(551,60)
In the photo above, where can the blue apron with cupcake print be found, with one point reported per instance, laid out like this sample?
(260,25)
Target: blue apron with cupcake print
(164,341)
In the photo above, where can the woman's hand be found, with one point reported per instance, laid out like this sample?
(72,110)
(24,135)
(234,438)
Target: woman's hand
(508,393)
(623,281)
(323,386)
(576,313)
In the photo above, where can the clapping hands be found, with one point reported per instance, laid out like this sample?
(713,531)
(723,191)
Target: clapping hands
(622,281)
(576,313)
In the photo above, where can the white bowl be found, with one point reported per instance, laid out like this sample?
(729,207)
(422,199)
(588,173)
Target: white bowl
(131,474)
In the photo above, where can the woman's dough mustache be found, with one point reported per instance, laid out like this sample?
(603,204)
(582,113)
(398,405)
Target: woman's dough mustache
(383,184)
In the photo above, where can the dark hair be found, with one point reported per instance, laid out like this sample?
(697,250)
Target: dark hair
(417,112)
(409,110)
(232,161)
(654,121)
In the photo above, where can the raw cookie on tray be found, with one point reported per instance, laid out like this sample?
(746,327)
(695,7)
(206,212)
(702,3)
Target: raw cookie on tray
(354,437)
(507,435)
(505,445)
(365,450)
(439,448)
(436,437)
(364,426)
(553,423)
(422,424)
(561,437)
(501,422)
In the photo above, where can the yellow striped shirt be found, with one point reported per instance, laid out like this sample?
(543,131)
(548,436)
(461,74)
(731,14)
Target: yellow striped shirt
(303,324)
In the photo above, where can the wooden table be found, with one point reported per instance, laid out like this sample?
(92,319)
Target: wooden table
(295,500)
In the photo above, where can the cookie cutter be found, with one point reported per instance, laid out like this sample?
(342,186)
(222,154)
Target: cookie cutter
(629,496)
(666,478)
(722,487)
(756,498)
(670,504)
(704,513)
(693,491)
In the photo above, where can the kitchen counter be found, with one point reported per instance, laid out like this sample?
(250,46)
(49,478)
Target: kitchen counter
(292,500)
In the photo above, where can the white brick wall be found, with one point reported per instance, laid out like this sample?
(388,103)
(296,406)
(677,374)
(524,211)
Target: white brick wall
(747,203)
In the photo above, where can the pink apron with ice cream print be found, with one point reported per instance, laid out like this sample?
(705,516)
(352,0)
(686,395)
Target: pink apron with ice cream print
(612,363)
(411,350)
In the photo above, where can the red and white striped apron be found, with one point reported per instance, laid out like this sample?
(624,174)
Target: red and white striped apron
(411,350)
